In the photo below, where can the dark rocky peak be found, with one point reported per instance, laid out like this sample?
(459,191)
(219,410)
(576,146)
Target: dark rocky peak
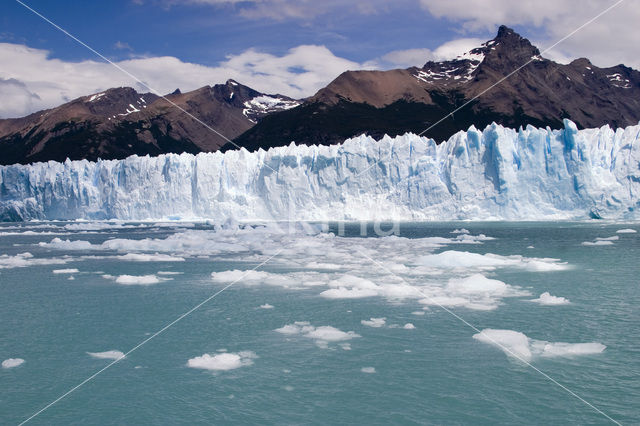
(505,52)
(233,93)
(508,49)
(581,63)
(118,101)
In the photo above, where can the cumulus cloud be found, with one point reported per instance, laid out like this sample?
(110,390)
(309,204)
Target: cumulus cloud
(17,99)
(299,10)
(417,57)
(31,80)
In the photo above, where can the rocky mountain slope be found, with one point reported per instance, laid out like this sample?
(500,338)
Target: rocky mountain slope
(120,122)
(542,93)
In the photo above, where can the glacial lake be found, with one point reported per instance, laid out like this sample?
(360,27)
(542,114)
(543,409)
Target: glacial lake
(439,323)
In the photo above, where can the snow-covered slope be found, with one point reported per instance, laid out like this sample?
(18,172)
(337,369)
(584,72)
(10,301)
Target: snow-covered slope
(498,173)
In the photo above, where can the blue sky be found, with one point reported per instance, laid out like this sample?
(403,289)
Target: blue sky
(207,33)
(292,47)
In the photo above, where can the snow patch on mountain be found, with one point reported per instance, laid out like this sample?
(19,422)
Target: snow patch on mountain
(265,104)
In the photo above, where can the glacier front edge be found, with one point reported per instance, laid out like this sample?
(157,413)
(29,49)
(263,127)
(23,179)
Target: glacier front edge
(494,174)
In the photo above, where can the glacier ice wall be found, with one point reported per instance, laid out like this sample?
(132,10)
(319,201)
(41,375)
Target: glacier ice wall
(498,173)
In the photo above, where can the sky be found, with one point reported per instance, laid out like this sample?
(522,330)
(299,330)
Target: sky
(292,47)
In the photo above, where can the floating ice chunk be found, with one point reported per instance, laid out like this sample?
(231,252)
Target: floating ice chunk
(368,370)
(547,299)
(626,231)
(330,334)
(12,362)
(351,287)
(460,231)
(222,361)
(598,243)
(512,342)
(322,335)
(374,322)
(23,260)
(409,326)
(60,244)
(250,276)
(141,257)
(134,279)
(518,345)
(560,349)
(465,260)
(113,354)
(477,284)
(65,271)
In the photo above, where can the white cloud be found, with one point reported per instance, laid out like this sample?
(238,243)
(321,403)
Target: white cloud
(556,18)
(122,45)
(407,58)
(300,10)
(418,57)
(453,48)
(17,99)
(31,80)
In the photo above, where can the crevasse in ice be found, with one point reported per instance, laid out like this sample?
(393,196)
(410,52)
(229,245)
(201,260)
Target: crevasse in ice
(498,173)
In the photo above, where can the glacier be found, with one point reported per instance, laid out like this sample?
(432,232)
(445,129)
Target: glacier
(493,174)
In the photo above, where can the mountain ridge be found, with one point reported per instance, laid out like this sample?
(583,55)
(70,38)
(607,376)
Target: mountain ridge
(120,122)
(542,93)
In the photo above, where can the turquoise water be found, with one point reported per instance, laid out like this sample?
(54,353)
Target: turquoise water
(435,373)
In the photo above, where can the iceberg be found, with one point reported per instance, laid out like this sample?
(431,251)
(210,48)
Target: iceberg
(494,174)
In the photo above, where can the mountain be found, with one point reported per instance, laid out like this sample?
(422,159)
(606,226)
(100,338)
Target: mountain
(496,173)
(542,93)
(120,122)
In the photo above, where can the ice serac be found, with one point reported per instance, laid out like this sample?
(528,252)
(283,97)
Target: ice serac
(498,173)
